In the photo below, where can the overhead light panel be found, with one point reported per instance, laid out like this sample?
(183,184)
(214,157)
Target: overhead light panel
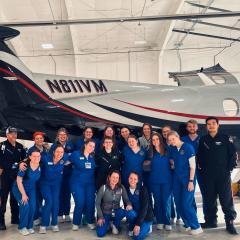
(47,45)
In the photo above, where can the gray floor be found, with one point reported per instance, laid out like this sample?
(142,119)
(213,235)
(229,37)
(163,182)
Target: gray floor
(84,233)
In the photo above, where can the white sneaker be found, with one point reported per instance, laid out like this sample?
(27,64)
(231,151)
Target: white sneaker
(67,218)
(160,226)
(196,231)
(55,228)
(150,230)
(75,227)
(178,222)
(36,222)
(61,219)
(184,229)
(31,231)
(91,226)
(114,230)
(130,233)
(24,231)
(42,230)
(168,227)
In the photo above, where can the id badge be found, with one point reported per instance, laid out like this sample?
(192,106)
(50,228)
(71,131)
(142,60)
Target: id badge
(88,165)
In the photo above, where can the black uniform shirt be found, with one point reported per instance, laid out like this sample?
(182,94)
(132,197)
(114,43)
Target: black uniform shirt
(216,154)
(10,156)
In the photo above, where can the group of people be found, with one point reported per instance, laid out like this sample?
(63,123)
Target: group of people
(141,179)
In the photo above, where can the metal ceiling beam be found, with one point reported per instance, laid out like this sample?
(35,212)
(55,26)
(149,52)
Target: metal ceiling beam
(212,24)
(122,20)
(204,6)
(206,35)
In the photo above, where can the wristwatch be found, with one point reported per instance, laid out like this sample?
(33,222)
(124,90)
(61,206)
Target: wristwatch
(190,180)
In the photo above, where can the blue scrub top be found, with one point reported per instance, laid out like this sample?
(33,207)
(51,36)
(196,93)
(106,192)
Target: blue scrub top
(80,144)
(133,161)
(33,148)
(31,178)
(51,173)
(134,199)
(68,149)
(160,169)
(194,142)
(181,159)
(83,168)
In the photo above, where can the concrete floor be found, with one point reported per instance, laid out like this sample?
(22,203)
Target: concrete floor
(84,233)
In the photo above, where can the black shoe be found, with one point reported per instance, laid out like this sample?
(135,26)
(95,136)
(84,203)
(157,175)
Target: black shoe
(15,221)
(231,228)
(2,227)
(209,225)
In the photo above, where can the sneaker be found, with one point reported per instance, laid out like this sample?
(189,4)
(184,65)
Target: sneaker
(150,229)
(184,229)
(31,231)
(67,218)
(178,222)
(61,219)
(168,227)
(55,228)
(42,230)
(196,231)
(130,233)
(36,222)
(114,230)
(24,231)
(231,228)
(91,226)
(160,226)
(75,227)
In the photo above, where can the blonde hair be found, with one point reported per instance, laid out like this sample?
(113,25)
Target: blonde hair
(173,133)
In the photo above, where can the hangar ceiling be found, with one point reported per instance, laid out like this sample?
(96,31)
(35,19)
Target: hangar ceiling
(89,49)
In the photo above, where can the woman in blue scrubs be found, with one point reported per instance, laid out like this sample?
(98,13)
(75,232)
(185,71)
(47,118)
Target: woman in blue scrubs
(24,190)
(82,184)
(184,181)
(133,159)
(160,181)
(87,135)
(50,185)
(141,218)
(65,193)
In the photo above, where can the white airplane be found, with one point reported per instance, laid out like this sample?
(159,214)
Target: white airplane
(32,101)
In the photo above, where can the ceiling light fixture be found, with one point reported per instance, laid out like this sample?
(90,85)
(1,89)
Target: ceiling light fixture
(47,45)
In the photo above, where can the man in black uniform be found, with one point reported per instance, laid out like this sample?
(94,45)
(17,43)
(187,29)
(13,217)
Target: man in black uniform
(216,159)
(11,153)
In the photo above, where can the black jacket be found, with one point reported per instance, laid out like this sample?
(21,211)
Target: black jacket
(145,213)
(106,162)
(216,154)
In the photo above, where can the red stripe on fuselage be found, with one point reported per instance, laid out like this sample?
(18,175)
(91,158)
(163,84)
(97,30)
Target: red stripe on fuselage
(197,116)
(47,99)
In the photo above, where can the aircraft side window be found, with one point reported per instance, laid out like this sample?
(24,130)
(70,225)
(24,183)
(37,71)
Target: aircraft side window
(230,107)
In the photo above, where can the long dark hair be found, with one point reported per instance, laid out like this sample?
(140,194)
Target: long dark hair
(119,184)
(152,149)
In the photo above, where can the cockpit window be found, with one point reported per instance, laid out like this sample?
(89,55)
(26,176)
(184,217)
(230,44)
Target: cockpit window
(230,107)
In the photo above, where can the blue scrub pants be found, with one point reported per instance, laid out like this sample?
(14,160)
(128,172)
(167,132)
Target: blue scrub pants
(200,183)
(38,202)
(120,213)
(26,211)
(144,227)
(65,193)
(162,194)
(50,206)
(184,202)
(84,198)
